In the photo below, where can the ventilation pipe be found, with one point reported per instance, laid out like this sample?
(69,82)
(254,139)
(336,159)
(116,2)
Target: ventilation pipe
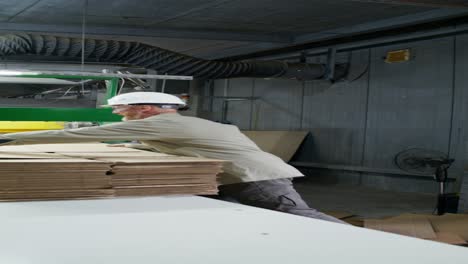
(161,60)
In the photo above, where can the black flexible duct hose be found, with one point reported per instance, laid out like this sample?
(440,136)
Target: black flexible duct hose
(161,60)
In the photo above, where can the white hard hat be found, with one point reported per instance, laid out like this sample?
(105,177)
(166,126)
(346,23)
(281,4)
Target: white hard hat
(151,98)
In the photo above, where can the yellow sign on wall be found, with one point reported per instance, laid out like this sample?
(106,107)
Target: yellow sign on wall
(398,56)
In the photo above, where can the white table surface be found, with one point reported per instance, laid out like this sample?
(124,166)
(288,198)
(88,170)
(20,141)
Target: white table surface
(187,229)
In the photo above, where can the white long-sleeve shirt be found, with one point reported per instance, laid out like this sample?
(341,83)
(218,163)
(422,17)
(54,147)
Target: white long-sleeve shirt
(175,134)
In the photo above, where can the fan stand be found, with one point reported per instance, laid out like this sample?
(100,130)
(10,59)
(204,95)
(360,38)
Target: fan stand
(441,177)
(430,162)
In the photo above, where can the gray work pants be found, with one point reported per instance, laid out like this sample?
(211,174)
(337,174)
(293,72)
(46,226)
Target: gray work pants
(278,195)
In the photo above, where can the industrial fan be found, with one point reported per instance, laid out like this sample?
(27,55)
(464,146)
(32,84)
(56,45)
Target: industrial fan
(428,162)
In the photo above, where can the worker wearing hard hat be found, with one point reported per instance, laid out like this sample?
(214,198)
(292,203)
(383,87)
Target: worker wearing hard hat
(251,176)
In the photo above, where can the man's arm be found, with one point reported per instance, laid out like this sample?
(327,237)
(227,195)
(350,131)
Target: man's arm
(129,130)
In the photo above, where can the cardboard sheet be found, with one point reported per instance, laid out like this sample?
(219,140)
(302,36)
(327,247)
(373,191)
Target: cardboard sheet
(73,171)
(74,147)
(283,144)
(448,228)
(32,155)
(408,226)
(449,238)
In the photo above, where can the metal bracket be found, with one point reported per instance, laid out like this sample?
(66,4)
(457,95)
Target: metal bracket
(331,61)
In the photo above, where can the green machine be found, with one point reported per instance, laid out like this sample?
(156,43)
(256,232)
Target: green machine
(64,114)
(72,114)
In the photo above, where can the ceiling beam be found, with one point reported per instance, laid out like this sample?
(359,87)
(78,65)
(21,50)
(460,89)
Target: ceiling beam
(190,11)
(428,3)
(394,22)
(384,28)
(23,10)
(142,32)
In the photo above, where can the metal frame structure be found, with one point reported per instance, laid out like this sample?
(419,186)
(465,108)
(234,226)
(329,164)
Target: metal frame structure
(73,114)
(64,114)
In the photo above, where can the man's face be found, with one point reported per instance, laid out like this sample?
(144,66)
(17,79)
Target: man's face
(129,112)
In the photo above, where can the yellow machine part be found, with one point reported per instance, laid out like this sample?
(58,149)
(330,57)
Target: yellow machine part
(21,126)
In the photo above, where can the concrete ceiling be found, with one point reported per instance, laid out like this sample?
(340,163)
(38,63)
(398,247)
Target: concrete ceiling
(213,28)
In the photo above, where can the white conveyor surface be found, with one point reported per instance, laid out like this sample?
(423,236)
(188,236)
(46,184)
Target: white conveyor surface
(189,229)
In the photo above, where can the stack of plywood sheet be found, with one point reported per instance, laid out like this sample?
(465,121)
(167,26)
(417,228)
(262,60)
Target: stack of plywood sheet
(53,178)
(164,175)
(66,171)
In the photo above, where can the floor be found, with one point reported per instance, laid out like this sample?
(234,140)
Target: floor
(363,201)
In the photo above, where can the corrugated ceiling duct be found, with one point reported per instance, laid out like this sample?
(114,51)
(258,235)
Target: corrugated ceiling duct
(162,60)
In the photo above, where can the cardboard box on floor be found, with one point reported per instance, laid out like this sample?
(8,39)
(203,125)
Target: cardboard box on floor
(448,228)
(347,217)
(339,214)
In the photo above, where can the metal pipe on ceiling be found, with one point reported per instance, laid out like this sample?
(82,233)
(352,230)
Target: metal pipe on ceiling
(161,60)
(429,3)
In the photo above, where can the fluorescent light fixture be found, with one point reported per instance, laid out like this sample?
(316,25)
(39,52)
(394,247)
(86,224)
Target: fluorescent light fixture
(58,74)
(16,73)
(24,80)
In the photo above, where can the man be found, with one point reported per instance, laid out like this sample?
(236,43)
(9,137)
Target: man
(251,176)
